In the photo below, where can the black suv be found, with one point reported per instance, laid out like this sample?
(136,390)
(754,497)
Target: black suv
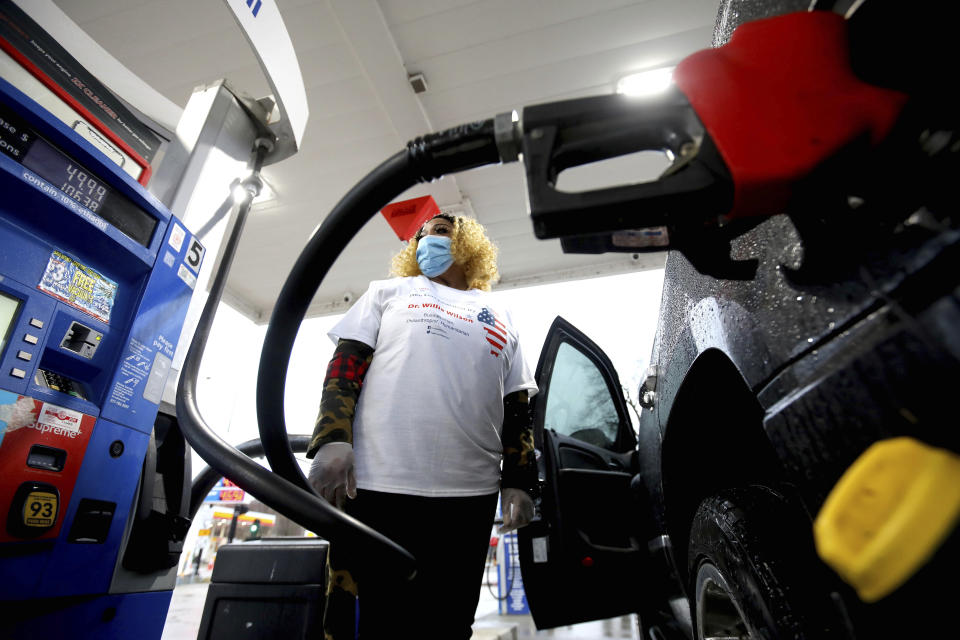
(762,391)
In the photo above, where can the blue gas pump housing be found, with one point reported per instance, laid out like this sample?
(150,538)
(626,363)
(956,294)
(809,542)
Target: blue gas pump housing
(95,280)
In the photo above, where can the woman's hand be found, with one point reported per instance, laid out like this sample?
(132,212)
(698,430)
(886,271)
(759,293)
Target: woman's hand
(517,508)
(332,473)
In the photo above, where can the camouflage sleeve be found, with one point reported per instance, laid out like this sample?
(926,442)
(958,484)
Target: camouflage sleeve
(519,460)
(341,388)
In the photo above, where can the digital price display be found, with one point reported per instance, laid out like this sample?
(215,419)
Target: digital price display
(21,143)
(67,176)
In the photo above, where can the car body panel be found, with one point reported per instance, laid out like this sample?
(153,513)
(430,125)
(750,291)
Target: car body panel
(583,559)
(847,333)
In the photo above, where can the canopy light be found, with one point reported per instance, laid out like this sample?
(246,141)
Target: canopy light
(241,191)
(645,83)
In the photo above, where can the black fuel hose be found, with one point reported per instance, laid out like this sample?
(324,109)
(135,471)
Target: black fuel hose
(302,506)
(208,476)
(424,159)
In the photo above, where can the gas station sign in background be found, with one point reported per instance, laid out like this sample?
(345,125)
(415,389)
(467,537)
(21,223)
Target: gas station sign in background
(225,491)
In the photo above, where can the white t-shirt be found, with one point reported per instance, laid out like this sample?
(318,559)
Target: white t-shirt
(430,411)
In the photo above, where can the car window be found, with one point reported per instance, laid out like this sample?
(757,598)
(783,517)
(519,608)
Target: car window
(579,404)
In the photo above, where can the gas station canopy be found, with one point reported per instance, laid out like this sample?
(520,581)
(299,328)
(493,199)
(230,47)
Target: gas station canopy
(380,73)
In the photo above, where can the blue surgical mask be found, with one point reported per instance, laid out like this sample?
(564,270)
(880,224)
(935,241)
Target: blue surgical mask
(433,255)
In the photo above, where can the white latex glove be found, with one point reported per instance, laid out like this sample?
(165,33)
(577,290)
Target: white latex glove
(517,508)
(332,473)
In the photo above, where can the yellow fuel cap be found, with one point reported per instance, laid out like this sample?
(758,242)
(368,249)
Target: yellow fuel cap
(888,513)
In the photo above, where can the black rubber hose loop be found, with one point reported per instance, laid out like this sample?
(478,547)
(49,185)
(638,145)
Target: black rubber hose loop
(208,477)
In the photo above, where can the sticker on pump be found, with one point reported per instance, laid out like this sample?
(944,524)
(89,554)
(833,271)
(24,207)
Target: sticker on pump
(79,286)
(187,277)
(59,420)
(40,509)
(177,237)
(194,257)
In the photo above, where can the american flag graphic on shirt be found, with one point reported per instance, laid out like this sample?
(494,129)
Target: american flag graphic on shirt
(496,332)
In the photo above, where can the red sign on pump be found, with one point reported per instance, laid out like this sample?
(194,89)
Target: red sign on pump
(41,444)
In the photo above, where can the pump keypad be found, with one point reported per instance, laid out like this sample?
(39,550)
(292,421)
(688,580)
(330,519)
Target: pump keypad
(60,383)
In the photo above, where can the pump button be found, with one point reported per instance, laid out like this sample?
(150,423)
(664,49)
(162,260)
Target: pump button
(33,510)
(36,322)
(30,338)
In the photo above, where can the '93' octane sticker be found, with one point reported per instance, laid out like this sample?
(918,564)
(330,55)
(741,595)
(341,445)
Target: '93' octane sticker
(40,509)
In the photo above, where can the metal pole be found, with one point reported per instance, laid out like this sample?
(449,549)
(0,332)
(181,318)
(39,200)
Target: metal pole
(238,510)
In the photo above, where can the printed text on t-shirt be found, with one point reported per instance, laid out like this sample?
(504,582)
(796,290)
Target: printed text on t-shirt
(430,305)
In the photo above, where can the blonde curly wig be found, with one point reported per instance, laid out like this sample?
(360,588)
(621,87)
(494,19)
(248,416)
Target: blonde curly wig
(471,249)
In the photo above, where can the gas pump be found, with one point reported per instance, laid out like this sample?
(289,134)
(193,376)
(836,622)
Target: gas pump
(95,279)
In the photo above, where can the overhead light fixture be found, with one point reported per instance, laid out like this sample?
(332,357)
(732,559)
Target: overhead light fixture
(645,83)
(240,192)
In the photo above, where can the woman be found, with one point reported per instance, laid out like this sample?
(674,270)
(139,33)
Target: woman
(426,392)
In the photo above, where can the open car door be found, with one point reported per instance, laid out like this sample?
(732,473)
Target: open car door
(583,558)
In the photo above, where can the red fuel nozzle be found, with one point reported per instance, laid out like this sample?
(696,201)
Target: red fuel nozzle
(779,100)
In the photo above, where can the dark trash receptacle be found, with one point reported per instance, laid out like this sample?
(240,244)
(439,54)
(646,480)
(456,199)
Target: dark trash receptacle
(266,589)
